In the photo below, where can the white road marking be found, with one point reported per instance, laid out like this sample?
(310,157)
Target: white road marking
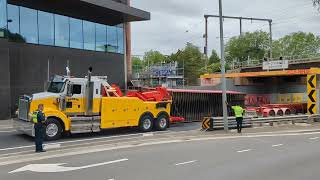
(314,138)
(52,146)
(277,145)
(103,148)
(147,134)
(8,131)
(94,139)
(53,168)
(246,150)
(188,162)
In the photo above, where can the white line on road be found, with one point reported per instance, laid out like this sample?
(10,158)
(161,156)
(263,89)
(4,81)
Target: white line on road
(314,138)
(246,150)
(94,139)
(183,163)
(277,145)
(8,131)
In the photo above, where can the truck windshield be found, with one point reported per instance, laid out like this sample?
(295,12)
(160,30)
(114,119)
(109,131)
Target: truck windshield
(56,87)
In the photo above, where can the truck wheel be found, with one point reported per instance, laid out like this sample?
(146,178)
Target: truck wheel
(162,122)
(53,129)
(146,123)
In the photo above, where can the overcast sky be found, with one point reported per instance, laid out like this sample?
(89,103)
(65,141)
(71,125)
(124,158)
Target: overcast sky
(175,22)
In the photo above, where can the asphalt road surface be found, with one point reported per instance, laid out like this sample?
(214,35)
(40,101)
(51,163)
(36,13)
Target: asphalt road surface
(290,156)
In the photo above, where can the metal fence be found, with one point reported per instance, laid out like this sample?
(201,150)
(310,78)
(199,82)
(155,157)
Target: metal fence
(292,60)
(194,105)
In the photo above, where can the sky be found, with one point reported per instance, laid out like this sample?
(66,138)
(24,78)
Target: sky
(175,22)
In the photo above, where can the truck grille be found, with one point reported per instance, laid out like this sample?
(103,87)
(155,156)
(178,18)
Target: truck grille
(24,104)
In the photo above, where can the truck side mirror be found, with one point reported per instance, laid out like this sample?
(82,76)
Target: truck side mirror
(69,90)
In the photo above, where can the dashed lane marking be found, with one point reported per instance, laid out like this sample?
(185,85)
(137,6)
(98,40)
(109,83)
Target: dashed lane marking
(187,162)
(246,150)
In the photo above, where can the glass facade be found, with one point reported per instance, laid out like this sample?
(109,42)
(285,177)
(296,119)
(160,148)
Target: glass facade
(62,31)
(46,28)
(13,19)
(38,27)
(28,25)
(89,36)
(3,17)
(101,37)
(76,33)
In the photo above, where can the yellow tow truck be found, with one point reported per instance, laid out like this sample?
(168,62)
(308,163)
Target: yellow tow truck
(90,104)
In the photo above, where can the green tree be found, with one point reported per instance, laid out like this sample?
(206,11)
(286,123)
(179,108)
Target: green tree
(297,44)
(137,64)
(214,58)
(153,57)
(192,60)
(251,44)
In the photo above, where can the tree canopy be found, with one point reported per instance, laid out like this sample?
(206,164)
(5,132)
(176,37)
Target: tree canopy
(297,44)
(193,61)
(251,44)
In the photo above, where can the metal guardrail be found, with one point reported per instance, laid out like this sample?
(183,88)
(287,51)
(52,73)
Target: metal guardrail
(292,60)
(250,121)
(219,124)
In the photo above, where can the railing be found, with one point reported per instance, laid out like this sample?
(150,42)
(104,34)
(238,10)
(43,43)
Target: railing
(251,122)
(250,63)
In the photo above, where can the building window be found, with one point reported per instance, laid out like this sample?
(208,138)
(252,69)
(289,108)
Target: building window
(120,40)
(76,33)
(13,20)
(112,43)
(46,28)
(38,27)
(28,25)
(61,36)
(101,37)
(89,35)
(3,17)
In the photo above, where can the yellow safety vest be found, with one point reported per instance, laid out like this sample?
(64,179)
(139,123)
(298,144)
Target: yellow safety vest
(238,111)
(35,116)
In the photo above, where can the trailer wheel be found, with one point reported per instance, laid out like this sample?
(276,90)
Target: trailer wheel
(146,123)
(162,122)
(287,113)
(53,129)
(272,113)
(280,113)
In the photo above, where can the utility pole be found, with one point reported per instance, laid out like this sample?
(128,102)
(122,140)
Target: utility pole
(270,28)
(240,26)
(206,41)
(223,71)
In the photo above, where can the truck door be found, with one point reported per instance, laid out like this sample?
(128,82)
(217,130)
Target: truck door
(75,101)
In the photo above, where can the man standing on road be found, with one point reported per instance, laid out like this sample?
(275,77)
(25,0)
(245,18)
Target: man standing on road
(39,119)
(239,112)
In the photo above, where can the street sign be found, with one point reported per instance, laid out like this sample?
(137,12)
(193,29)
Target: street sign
(312,94)
(273,65)
(206,123)
(54,168)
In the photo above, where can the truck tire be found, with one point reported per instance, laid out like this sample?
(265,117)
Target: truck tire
(162,123)
(53,129)
(146,123)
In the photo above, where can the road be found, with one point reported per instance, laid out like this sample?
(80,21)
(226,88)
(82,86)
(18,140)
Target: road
(13,142)
(285,156)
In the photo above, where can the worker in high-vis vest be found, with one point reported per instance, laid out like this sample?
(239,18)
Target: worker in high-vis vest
(39,119)
(238,112)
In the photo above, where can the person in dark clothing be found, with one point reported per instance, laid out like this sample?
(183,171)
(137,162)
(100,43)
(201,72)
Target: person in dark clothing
(39,127)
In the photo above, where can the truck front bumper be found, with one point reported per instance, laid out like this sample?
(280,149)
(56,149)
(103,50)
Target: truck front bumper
(25,127)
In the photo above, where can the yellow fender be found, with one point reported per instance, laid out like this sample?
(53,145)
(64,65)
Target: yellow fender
(58,114)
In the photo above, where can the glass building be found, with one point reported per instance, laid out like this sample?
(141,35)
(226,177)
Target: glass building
(39,38)
(22,24)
